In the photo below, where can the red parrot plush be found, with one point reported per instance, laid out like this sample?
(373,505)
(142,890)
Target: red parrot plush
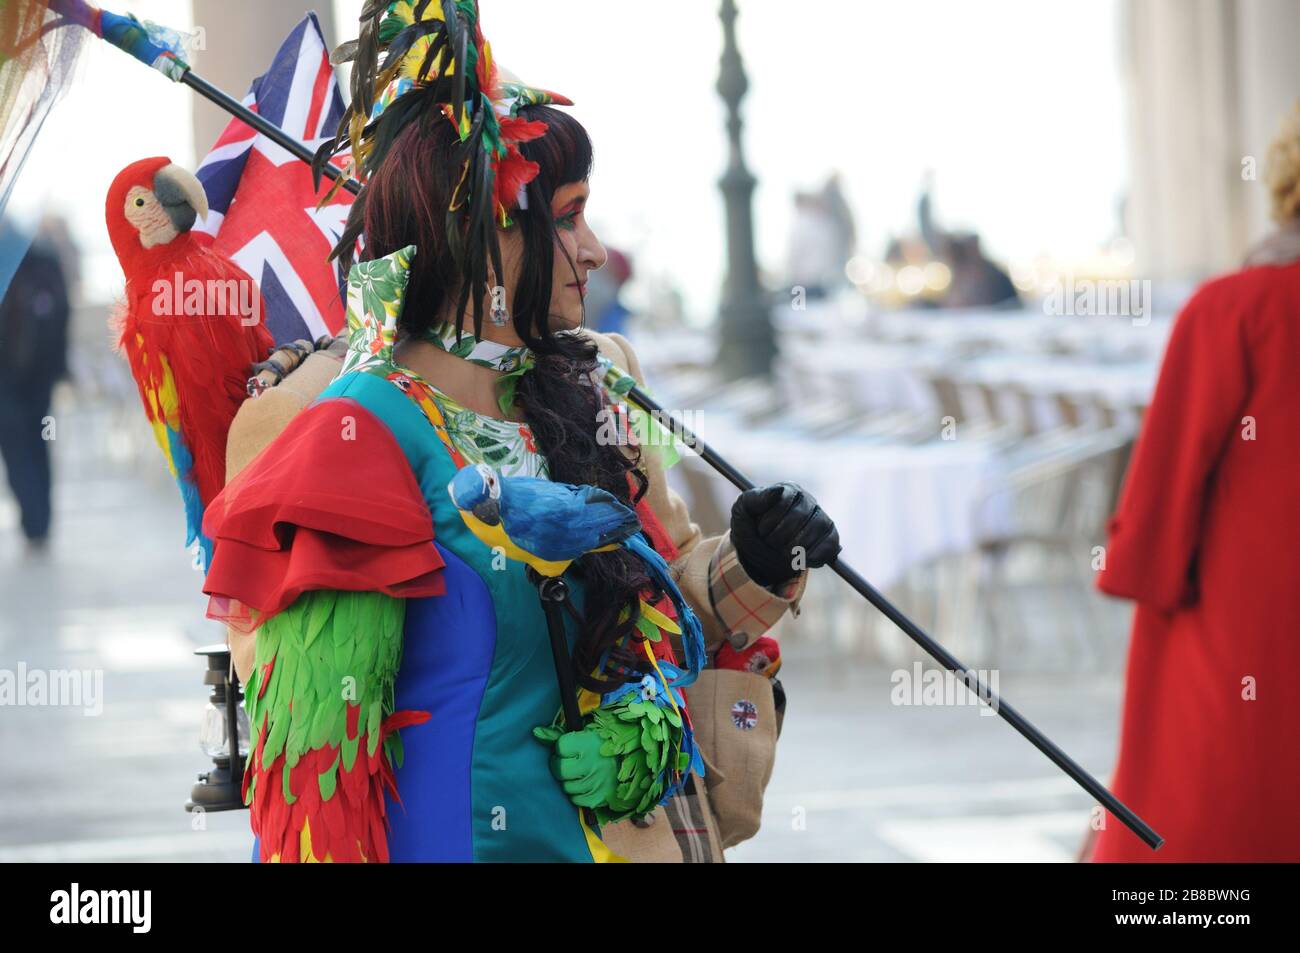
(190,325)
(763,657)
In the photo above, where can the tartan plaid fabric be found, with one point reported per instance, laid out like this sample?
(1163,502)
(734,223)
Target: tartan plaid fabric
(747,609)
(687,813)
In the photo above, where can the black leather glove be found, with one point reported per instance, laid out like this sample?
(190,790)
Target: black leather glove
(768,522)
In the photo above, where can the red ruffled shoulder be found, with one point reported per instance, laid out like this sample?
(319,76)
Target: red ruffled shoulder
(331,503)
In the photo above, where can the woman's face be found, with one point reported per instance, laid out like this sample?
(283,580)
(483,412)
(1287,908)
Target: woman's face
(577,244)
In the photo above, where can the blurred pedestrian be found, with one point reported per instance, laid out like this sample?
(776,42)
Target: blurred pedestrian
(33,357)
(1205,542)
(822,236)
(841,218)
(977,282)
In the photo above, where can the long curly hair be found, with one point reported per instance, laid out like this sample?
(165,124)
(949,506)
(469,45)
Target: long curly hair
(408,196)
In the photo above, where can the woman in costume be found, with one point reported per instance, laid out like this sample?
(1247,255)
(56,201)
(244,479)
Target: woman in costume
(373,607)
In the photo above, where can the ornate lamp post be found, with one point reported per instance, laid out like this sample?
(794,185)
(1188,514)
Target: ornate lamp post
(748,343)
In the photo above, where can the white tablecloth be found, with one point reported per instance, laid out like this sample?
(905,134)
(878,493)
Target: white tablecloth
(895,506)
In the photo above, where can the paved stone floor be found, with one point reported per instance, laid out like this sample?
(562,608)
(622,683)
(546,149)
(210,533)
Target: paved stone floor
(857,778)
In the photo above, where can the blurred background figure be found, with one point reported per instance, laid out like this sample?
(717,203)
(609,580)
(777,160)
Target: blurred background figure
(822,237)
(33,357)
(973,280)
(606,311)
(976,281)
(1282,245)
(1205,542)
(56,234)
(840,213)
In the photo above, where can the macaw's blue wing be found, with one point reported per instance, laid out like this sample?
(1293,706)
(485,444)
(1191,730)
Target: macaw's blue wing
(692,630)
(183,461)
(558,521)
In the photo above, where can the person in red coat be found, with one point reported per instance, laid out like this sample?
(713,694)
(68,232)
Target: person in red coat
(1206,540)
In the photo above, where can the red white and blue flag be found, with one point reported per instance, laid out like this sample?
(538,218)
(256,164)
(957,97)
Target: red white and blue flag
(262,204)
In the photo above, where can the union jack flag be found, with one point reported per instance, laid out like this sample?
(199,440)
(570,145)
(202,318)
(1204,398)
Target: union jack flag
(262,206)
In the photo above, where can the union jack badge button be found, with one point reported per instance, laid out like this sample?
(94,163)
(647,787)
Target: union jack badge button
(744,714)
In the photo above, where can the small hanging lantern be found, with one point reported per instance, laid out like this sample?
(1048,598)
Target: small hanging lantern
(223,736)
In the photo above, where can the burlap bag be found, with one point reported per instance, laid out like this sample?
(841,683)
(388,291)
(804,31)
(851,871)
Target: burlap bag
(651,842)
(735,720)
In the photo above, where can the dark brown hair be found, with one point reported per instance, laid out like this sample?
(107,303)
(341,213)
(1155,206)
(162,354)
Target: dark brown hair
(406,204)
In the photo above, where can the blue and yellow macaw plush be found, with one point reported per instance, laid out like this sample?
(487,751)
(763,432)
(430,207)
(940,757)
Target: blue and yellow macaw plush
(548,525)
(638,747)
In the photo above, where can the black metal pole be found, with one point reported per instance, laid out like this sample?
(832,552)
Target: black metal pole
(918,635)
(265,127)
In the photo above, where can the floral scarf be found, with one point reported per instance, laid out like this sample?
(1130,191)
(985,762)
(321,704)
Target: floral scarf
(513,362)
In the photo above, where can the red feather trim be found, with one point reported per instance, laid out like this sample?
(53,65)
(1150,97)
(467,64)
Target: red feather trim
(513,173)
(348,826)
(518,129)
(402,719)
(266,676)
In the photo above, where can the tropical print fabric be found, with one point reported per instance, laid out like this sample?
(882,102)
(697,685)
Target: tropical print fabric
(376,292)
(504,444)
(512,362)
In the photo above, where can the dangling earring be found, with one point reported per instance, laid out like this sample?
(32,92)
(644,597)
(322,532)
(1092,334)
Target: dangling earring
(498,313)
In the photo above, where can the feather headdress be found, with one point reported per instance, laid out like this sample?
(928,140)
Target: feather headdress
(411,56)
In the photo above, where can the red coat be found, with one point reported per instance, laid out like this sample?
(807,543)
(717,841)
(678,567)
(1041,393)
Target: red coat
(1206,539)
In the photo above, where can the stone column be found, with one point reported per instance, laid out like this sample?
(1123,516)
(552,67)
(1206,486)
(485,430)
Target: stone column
(1268,49)
(1208,81)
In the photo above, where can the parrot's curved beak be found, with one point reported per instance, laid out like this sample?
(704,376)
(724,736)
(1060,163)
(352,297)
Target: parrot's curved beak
(181,196)
(489,512)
